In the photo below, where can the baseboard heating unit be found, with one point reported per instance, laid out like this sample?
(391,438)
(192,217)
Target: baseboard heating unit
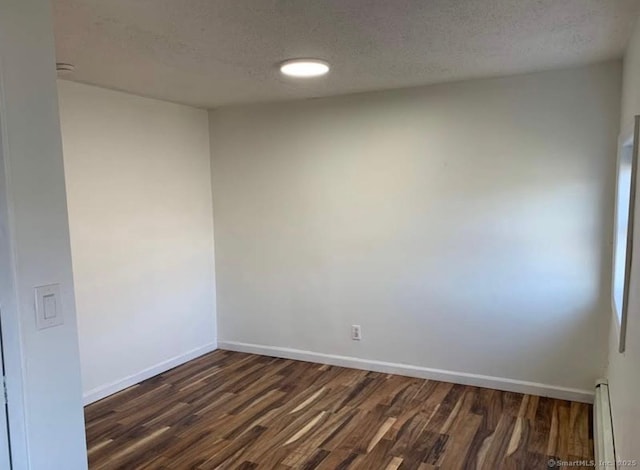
(603,428)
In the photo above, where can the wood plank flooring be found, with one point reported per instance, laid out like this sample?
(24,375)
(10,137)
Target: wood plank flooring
(233,410)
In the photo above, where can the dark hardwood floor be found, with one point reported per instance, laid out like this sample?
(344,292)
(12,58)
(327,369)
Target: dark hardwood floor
(234,410)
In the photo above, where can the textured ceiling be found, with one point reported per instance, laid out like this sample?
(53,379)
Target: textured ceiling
(215,52)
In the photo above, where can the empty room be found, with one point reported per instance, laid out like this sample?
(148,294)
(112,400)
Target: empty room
(319,234)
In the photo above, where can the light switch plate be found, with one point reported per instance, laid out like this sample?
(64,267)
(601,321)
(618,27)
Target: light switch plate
(48,306)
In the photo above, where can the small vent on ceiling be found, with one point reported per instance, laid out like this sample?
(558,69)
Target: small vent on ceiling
(64,68)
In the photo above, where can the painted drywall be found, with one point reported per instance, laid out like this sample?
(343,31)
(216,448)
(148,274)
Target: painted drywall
(623,368)
(139,196)
(43,368)
(464,226)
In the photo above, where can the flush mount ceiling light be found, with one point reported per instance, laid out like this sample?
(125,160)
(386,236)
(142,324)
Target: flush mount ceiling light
(304,68)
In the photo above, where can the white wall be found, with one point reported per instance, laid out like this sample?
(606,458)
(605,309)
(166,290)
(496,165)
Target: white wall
(47,428)
(139,196)
(465,226)
(624,369)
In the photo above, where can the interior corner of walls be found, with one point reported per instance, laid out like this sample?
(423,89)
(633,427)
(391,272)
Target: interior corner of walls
(173,248)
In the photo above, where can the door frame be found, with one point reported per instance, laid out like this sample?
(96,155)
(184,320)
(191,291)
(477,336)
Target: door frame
(11,337)
(5,433)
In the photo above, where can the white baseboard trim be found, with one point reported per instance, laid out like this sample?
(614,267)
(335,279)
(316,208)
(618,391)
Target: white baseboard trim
(103,391)
(498,383)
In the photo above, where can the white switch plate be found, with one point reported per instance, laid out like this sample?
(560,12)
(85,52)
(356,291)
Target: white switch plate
(48,306)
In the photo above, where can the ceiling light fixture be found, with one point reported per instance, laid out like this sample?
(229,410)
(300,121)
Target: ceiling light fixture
(304,68)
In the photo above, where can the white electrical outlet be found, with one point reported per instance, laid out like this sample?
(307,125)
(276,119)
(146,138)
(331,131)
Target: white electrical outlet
(356,333)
